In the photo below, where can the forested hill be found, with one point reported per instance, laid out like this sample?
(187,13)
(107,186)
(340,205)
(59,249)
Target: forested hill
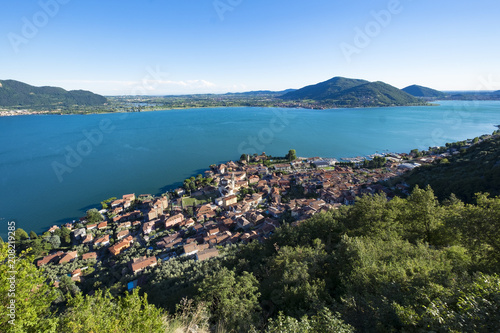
(21,95)
(344,92)
(473,170)
(419,91)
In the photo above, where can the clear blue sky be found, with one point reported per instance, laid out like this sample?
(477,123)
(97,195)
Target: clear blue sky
(111,46)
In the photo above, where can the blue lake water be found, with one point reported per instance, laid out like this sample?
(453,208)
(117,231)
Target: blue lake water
(54,168)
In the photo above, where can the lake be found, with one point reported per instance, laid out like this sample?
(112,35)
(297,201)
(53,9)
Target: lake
(54,168)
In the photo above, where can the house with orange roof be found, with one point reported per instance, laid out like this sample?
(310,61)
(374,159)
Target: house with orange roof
(88,238)
(53,228)
(122,234)
(120,246)
(101,241)
(117,203)
(68,257)
(51,258)
(207,254)
(253,179)
(229,200)
(174,220)
(128,199)
(102,225)
(140,264)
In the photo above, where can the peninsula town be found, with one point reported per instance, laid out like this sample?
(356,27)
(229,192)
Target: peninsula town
(232,203)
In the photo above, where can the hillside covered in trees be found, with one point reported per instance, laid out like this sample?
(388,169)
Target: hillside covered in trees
(15,94)
(419,91)
(344,92)
(467,172)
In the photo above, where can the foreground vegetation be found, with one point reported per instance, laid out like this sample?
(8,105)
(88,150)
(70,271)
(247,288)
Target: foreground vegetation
(402,265)
(471,170)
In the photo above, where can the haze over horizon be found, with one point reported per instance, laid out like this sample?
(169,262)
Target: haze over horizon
(175,47)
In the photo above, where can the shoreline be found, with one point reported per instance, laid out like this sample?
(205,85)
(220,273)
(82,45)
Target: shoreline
(14,113)
(405,158)
(27,112)
(172,184)
(340,161)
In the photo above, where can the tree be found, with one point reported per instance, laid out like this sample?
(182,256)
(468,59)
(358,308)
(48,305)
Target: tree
(32,296)
(38,246)
(192,186)
(55,241)
(480,229)
(93,216)
(373,215)
(103,313)
(20,235)
(470,307)
(33,235)
(292,155)
(296,282)
(65,236)
(323,321)
(423,215)
(376,162)
(187,183)
(232,300)
(105,203)
(243,157)
(68,286)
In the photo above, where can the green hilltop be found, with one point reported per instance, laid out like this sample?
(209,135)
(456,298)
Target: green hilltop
(419,91)
(324,90)
(345,92)
(17,94)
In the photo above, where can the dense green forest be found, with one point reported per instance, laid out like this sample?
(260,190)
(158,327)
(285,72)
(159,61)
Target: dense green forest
(419,91)
(18,94)
(413,265)
(344,92)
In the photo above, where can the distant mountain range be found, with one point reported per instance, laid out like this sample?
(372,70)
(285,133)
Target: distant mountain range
(333,93)
(474,96)
(19,94)
(345,92)
(260,92)
(419,91)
